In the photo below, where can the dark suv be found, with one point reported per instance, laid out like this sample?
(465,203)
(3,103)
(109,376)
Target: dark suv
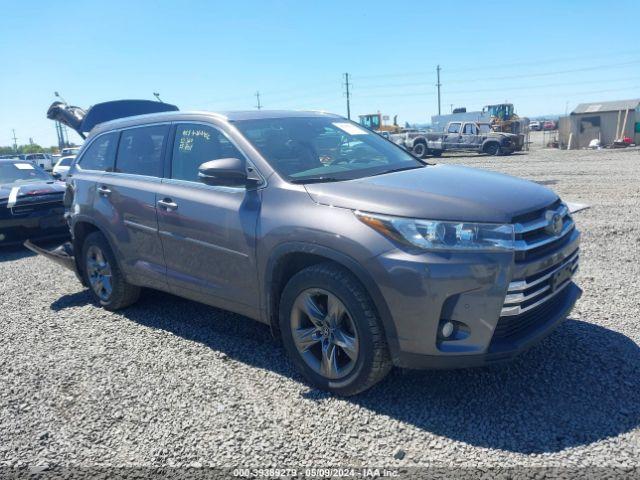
(359,255)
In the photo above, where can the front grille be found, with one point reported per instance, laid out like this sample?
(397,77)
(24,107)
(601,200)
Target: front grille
(534,238)
(535,290)
(510,327)
(28,208)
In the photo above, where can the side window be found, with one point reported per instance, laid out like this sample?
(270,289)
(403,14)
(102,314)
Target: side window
(454,128)
(469,129)
(101,153)
(140,150)
(195,144)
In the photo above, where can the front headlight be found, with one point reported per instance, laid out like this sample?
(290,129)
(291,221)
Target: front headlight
(437,235)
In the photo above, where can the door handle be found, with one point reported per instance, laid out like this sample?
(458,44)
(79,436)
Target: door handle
(104,191)
(167,204)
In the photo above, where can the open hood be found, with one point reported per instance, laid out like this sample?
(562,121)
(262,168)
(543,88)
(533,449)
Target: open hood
(83,121)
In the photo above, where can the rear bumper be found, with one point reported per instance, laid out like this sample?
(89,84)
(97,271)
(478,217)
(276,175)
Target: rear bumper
(499,351)
(62,255)
(38,225)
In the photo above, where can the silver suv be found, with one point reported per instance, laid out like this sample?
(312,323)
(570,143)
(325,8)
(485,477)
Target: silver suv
(357,254)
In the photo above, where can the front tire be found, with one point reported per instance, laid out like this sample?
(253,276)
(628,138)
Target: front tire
(103,276)
(331,330)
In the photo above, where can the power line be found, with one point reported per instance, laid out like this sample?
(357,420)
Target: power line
(500,66)
(502,89)
(508,77)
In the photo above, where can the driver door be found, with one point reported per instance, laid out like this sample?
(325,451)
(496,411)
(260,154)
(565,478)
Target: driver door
(452,137)
(207,232)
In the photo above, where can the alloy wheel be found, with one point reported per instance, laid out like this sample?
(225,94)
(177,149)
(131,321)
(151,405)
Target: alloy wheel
(99,272)
(324,333)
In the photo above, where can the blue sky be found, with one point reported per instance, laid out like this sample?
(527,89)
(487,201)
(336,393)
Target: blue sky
(214,55)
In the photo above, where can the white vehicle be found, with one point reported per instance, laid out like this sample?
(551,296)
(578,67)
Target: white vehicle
(43,160)
(70,151)
(61,168)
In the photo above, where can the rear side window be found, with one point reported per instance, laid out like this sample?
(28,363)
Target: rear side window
(196,144)
(140,150)
(101,153)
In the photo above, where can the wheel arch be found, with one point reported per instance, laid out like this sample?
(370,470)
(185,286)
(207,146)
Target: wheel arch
(490,141)
(290,258)
(81,229)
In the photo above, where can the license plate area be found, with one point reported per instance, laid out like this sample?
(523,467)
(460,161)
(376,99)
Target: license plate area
(560,277)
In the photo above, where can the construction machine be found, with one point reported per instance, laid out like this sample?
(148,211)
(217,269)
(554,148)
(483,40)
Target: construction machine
(374,121)
(504,119)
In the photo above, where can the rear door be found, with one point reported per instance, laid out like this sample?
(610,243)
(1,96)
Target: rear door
(469,139)
(127,203)
(208,232)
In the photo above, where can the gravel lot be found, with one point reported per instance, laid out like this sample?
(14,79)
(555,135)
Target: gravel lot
(171,382)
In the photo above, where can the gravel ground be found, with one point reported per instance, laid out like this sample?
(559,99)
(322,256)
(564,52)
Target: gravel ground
(171,382)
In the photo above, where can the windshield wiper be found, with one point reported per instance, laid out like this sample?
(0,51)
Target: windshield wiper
(317,180)
(399,169)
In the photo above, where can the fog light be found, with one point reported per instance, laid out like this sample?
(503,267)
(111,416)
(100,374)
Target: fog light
(447,329)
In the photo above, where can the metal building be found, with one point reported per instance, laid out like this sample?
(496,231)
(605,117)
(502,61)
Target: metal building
(606,121)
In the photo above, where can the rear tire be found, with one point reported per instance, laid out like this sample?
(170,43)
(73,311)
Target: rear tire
(331,330)
(420,150)
(492,148)
(103,276)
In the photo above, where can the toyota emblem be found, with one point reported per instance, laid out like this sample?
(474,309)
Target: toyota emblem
(554,227)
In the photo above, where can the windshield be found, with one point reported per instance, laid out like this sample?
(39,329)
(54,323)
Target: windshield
(20,172)
(324,149)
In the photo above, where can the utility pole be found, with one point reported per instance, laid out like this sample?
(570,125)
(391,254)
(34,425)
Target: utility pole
(15,141)
(438,85)
(348,94)
(258,105)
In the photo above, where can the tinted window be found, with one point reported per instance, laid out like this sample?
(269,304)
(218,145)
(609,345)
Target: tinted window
(454,128)
(101,153)
(196,144)
(140,150)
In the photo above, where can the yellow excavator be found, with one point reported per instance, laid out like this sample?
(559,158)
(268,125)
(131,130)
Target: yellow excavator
(373,121)
(503,118)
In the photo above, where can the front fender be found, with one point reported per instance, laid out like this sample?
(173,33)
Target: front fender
(345,261)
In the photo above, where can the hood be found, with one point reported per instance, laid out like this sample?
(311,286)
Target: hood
(31,192)
(438,192)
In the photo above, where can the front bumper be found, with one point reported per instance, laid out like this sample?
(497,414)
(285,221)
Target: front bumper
(499,351)
(424,291)
(40,225)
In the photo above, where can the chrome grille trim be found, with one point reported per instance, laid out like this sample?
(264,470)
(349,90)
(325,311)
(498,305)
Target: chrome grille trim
(519,285)
(515,296)
(540,224)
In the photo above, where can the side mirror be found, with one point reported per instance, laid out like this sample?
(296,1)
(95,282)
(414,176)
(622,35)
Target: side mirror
(230,172)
